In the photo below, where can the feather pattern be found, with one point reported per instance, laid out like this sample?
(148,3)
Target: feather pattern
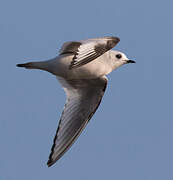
(83,99)
(86,51)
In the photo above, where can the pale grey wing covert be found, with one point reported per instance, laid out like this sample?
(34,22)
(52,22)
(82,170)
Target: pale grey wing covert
(87,50)
(83,99)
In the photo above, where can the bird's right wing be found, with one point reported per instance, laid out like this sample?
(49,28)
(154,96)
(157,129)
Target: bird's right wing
(86,51)
(83,99)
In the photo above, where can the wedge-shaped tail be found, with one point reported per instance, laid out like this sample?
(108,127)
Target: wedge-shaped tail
(43,65)
(29,65)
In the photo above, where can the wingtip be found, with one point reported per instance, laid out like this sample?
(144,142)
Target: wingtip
(112,42)
(49,163)
(115,38)
(118,39)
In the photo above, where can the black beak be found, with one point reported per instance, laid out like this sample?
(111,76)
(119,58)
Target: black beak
(130,61)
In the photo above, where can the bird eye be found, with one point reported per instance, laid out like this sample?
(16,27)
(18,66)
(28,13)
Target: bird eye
(118,56)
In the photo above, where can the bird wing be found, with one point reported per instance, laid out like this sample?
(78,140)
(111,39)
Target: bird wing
(88,50)
(83,99)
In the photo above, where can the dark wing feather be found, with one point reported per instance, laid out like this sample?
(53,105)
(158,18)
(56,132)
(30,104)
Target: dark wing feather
(70,47)
(91,49)
(88,50)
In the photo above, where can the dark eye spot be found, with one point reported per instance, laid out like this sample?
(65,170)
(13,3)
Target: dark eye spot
(118,56)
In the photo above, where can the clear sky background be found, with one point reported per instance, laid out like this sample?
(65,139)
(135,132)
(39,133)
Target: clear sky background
(131,134)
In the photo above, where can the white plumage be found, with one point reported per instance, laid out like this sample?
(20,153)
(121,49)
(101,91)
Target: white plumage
(80,68)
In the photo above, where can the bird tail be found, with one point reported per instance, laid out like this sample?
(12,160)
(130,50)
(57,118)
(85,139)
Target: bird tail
(29,65)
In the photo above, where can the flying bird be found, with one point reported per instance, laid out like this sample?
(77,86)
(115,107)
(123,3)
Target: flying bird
(81,68)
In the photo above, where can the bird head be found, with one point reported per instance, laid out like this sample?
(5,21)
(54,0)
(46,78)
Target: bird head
(119,58)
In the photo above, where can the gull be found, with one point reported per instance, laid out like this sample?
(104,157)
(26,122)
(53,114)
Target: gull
(81,68)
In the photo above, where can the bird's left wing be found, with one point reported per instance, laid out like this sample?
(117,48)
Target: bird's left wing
(83,99)
(86,51)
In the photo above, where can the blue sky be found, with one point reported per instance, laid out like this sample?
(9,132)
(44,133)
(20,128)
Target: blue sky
(130,136)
